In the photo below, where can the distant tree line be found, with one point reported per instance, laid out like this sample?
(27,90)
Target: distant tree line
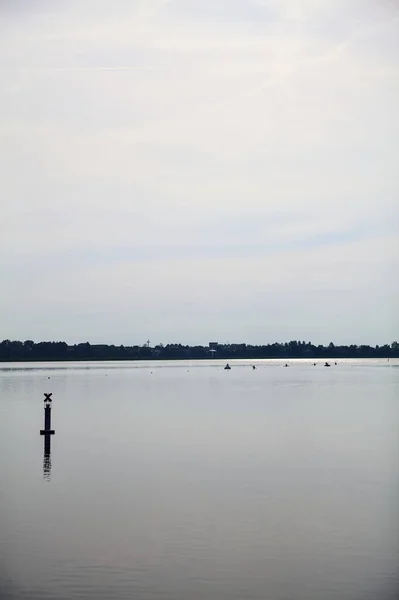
(52,351)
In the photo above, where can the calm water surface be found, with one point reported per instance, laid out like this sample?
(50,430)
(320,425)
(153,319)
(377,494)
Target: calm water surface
(182,481)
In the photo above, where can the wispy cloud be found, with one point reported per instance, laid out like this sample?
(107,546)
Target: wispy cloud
(144,143)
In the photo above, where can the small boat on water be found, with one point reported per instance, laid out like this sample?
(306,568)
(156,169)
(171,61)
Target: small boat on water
(227,367)
(327,364)
(253,367)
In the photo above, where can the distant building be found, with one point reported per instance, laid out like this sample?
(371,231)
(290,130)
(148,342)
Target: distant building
(213,345)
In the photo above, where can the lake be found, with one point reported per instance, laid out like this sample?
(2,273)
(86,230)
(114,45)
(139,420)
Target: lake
(183,481)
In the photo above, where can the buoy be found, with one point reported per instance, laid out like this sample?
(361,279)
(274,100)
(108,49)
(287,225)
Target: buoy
(47,416)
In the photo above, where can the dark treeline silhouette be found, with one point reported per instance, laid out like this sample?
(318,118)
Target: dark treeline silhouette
(47,351)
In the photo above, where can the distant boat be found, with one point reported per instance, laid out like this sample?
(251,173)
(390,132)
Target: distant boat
(286,365)
(327,364)
(253,366)
(227,367)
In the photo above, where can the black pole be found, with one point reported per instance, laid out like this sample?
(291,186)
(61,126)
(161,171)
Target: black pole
(47,416)
(47,445)
(47,458)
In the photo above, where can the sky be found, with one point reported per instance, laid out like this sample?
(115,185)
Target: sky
(199,170)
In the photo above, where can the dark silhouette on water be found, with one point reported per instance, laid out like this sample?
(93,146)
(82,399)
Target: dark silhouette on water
(327,364)
(17,351)
(47,432)
(47,458)
(227,367)
(47,416)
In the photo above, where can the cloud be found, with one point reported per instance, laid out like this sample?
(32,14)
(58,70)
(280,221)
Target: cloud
(297,293)
(148,142)
(242,11)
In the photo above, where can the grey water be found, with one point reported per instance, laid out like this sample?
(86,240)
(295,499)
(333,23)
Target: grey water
(183,481)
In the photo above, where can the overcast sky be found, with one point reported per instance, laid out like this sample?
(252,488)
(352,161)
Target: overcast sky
(196,170)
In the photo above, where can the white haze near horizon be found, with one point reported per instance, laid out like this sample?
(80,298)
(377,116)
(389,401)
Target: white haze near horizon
(195,170)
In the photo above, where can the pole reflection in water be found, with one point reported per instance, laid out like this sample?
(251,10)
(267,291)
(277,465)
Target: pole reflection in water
(47,458)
